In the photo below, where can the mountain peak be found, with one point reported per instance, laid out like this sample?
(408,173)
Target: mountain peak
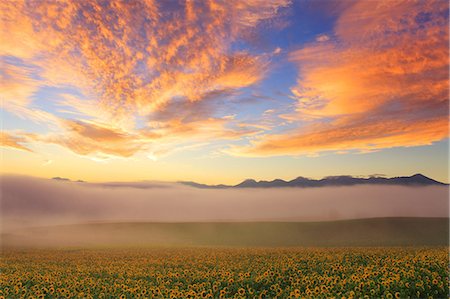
(421,176)
(421,179)
(417,179)
(248,183)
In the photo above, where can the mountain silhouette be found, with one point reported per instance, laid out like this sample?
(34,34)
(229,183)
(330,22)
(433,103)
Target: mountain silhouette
(342,180)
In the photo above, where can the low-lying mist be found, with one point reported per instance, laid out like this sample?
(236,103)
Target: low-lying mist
(28,201)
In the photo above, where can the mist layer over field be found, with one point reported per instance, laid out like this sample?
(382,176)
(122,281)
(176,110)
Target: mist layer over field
(28,201)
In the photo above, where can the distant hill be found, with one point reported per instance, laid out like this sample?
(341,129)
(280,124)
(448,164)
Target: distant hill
(57,178)
(344,180)
(362,232)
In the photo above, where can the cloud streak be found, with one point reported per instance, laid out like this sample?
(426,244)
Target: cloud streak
(381,81)
(128,58)
(8,140)
(151,77)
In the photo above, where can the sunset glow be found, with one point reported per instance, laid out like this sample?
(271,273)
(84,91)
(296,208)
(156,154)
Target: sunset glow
(219,91)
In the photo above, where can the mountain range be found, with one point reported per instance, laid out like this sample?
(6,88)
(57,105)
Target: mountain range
(344,180)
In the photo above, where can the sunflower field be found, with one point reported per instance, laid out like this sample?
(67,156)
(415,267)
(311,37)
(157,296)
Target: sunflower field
(382,272)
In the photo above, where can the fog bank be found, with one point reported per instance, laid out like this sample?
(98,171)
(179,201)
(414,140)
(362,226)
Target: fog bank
(28,201)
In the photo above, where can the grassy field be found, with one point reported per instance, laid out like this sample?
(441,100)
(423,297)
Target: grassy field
(369,258)
(364,232)
(382,272)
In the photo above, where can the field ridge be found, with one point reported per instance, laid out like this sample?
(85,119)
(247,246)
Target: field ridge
(396,231)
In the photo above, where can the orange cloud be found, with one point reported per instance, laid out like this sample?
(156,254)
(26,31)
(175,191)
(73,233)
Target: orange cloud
(129,59)
(16,86)
(97,140)
(7,140)
(381,82)
(359,134)
(135,56)
(103,141)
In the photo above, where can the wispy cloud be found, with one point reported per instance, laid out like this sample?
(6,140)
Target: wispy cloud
(8,140)
(128,59)
(154,76)
(381,82)
(138,55)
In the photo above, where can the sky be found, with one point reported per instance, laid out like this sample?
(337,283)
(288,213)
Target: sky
(220,91)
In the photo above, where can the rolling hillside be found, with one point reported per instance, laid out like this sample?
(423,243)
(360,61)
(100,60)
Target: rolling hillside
(363,232)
